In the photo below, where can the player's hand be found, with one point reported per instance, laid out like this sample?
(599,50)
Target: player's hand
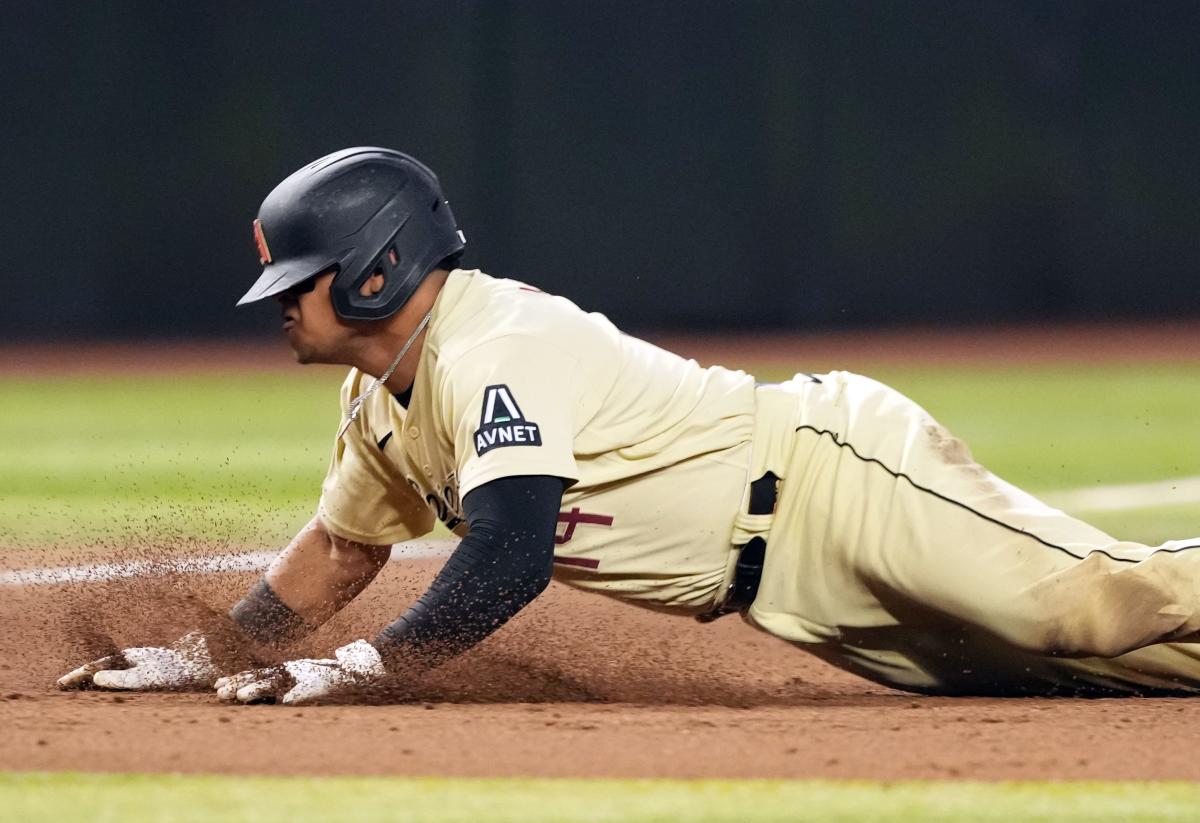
(354,668)
(185,664)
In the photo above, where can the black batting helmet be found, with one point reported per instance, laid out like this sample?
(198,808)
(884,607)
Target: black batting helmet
(354,212)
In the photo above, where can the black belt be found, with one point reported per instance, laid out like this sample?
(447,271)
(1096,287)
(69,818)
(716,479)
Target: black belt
(751,555)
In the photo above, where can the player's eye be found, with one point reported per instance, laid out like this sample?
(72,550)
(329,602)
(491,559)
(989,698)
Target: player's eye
(303,287)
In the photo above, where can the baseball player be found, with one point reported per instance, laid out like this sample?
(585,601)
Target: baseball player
(829,510)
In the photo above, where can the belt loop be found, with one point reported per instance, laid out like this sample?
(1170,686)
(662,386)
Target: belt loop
(764,493)
(776,413)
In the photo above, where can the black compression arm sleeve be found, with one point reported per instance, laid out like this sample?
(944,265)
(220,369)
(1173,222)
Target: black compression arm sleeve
(503,563)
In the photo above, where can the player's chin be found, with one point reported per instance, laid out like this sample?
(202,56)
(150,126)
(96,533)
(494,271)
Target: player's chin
(306,354)
(302,353)
(301,350)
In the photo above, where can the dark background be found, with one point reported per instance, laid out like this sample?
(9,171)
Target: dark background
(679,165)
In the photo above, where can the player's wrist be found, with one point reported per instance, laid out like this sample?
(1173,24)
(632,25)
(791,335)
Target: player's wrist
(265,619)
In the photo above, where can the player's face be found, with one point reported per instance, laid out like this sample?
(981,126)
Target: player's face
(314,330)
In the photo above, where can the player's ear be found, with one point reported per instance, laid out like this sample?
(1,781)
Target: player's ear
(372,285)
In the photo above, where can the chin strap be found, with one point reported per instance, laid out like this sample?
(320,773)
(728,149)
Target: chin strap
(356,403)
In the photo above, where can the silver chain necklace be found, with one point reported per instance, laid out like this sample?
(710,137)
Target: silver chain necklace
(356,403)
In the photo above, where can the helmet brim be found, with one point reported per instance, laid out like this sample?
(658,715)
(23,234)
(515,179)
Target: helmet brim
(281,275)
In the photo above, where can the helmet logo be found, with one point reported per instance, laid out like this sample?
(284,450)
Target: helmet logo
(260,240)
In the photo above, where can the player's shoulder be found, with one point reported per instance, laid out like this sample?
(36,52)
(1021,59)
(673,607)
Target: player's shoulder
(485,310)
(474,291)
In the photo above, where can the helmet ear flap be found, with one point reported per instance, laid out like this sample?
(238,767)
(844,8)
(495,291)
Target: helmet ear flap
(348,297)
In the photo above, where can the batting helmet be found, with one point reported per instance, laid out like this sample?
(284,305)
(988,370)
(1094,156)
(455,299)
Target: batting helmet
(355,211)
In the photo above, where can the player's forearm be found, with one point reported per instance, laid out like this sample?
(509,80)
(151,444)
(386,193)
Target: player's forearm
(315,576)
(483,585)
(319,573)
(503,563)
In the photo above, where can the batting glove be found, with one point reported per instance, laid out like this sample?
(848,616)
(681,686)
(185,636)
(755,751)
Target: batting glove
(185,664)
(355,667)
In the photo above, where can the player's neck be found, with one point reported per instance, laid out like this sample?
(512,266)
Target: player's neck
(380,348)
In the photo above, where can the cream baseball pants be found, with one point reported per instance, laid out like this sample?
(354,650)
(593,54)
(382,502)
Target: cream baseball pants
(894,555)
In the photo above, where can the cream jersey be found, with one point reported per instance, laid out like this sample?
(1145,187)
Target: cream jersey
(513,381)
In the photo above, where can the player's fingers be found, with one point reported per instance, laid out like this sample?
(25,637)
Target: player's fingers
(260,691)
(128,679)
(255,686)
(82,677)
(227,687)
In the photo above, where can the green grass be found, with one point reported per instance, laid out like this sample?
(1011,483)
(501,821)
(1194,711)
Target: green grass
(237,457)
(1151,526)
(123,798)
(240,458)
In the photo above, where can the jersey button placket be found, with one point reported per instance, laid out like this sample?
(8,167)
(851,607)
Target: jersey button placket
(414,432)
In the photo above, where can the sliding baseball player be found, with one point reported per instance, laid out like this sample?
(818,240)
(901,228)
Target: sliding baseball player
(829,510)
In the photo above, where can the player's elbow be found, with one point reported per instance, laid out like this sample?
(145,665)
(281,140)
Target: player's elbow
(357,561)
(534,580)
(542,580)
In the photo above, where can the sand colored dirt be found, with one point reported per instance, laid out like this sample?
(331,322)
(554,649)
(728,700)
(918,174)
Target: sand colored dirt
(576,685)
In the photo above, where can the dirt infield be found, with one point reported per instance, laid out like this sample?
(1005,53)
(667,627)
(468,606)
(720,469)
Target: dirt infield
(577,685)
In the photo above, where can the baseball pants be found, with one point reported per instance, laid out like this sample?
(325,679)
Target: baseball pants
(894,555)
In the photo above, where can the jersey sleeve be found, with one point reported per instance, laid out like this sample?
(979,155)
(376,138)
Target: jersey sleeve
(510,407)
(363,498)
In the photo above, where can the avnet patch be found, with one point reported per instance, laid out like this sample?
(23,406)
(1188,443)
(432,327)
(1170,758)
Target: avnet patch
(501,422)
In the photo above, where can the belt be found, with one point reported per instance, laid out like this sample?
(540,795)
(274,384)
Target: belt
(751,555)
